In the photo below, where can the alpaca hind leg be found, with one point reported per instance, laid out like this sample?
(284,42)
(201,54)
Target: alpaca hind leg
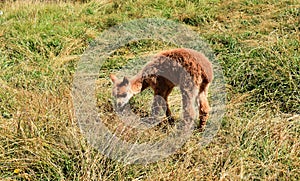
(188,104)
(204,107)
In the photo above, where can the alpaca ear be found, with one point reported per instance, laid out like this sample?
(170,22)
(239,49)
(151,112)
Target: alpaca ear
(125,80)
(113,78)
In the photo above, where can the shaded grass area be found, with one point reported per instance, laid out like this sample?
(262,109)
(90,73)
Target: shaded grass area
(256,42)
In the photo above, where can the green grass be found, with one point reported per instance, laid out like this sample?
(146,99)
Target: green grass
(255,41)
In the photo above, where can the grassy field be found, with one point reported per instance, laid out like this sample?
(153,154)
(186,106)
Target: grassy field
(257,43)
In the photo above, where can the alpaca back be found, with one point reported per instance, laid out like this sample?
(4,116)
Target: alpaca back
(193,62)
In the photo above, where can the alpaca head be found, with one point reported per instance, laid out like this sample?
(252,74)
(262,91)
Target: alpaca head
(121,90)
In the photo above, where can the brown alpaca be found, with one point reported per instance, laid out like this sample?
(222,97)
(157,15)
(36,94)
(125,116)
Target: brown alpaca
(186,68)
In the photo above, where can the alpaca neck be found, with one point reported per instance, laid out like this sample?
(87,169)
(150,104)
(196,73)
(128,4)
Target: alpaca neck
(136,83)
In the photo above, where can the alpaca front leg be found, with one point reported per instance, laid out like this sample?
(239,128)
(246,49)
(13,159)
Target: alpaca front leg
(159,107)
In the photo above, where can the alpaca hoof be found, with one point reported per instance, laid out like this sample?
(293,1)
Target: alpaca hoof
(171,120)
(201,128)
(151,121)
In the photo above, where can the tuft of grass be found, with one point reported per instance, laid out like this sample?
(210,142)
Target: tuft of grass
(256,43)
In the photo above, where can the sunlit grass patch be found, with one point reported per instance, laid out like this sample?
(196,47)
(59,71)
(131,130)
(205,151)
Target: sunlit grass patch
(256,43)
